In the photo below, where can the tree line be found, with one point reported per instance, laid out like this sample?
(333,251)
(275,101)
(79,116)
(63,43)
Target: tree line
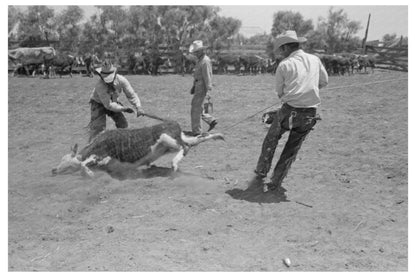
(121,30)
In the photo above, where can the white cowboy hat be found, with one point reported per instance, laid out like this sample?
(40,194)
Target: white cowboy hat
(107,71)
(288,37)
(196,45)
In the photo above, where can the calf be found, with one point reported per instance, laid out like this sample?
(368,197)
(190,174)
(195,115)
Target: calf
(139,147)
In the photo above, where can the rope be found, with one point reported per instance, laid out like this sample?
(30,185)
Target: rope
(331,88)
(365,84)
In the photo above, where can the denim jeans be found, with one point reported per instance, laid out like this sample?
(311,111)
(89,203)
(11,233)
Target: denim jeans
(198,113)
(299,121)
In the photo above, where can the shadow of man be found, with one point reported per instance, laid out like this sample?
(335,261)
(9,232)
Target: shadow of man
(254,193)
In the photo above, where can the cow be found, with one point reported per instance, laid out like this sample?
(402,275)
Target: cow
(34,57)
(61,64)
(272,65)
(189,62)
(365,61)
(91,62)
(158,62)
(252,63)
(138,63)
(133,147)
(225,60)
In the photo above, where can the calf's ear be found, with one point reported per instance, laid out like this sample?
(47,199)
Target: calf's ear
(74,150)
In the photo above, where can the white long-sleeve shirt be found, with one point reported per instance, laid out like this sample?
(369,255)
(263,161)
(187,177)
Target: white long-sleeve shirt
(299,78)
(108,97)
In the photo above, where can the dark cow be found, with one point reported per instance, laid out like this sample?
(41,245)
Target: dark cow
(273,64)
(225,60)
(91,62)
(184,63)
(139,63)
(61,64)
(158,62)
(252,63)
(365,61)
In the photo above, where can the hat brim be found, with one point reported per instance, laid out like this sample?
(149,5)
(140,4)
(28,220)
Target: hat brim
(107,77)
(193,50)
(285,40)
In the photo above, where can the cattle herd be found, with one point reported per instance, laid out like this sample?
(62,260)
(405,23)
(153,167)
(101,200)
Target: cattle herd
(48,63)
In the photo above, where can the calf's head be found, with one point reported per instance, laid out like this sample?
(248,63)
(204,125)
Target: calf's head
(70,163)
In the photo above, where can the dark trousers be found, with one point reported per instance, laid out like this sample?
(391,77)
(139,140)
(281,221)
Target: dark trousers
(98,119)
(299,121)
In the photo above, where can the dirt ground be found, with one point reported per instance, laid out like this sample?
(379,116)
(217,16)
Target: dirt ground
(346,206)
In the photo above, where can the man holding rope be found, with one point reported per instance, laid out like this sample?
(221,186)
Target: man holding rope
(104,100)
(299,77)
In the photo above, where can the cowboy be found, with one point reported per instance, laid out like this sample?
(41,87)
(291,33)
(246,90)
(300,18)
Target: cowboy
(202,84)
(299,77)
(104,100)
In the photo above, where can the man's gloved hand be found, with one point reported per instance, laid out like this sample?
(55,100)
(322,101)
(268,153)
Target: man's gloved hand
(140,111)
(128,110)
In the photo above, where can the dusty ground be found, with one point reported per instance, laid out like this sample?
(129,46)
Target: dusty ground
(347,194)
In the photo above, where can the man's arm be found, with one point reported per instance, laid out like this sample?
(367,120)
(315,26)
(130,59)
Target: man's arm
(207,75)
(280,82)
(131,94)
(323,76)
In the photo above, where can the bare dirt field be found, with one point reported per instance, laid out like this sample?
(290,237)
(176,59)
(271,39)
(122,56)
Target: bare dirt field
(346,206)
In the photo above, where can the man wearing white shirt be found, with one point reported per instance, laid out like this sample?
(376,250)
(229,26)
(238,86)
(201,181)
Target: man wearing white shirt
(299,77)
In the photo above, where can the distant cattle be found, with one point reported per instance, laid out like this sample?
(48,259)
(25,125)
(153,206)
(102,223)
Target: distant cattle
(365,61)
(184,63)
(30,56)
(61,65)
(91,62)
(253,64)
(337,64)
(226,60)
(159,62)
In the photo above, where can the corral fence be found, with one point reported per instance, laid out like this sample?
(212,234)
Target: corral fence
(394,58)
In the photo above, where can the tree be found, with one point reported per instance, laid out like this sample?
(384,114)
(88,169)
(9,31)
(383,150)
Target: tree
(221,31)
(14,16)
(339,31)
(69,28)
(37,26)
(389,37)
(288,20)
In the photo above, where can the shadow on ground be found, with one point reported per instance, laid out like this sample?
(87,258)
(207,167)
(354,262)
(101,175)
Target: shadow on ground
(123,171)
(254,193)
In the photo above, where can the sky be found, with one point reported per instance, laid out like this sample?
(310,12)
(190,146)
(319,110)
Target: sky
(385,19)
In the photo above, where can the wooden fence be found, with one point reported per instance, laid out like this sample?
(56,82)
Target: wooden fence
(394,58)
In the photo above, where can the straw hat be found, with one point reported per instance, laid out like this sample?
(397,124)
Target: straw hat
(288,37)
(196,45)
(107,71)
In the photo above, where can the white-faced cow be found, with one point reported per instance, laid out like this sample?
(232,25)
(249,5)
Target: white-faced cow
(26,56)
(138,147)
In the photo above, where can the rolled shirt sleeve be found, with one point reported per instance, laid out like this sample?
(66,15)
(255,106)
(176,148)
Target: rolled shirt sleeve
(280,82)
(323,76)
(207,74)
(129,92)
